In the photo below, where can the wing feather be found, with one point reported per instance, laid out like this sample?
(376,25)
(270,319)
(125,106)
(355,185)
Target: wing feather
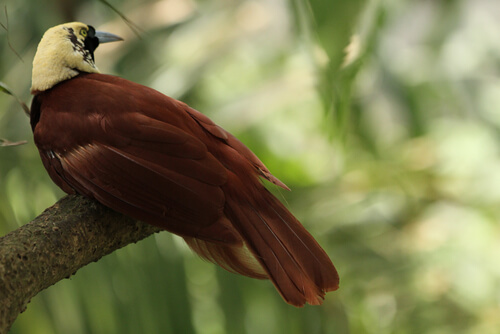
(151,192)
(239,149)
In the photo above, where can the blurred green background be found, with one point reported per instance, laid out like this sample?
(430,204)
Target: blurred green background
(382,116)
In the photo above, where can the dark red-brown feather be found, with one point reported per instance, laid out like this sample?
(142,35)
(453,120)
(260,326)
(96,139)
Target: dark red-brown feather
(156,159)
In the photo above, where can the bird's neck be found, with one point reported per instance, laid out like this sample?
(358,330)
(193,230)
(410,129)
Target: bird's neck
(48,75)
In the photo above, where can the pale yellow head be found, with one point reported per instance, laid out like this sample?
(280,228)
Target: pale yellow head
(65,51)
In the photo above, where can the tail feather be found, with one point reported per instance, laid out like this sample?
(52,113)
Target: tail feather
(234,258)
(276,246)
(308,253)
(295,263)
(280,263)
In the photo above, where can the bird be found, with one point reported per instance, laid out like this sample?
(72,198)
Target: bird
(154,158)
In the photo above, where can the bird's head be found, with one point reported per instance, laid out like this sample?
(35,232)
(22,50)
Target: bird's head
(65,51)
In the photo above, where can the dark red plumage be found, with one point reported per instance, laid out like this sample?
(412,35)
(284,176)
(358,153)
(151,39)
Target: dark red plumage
(156,159)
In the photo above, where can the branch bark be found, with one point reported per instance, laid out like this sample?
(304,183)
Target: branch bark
(67,236)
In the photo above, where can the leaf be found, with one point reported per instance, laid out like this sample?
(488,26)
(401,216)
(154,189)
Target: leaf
(4,88)
(343,32)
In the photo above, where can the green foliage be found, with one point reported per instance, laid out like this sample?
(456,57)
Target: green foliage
(380,115)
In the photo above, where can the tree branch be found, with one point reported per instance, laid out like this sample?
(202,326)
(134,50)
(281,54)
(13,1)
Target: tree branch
(67,236)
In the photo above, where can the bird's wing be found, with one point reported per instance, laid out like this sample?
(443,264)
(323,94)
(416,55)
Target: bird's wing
(238,147)
(116,145)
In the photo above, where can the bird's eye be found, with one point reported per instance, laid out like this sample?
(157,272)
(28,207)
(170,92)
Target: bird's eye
(83,32)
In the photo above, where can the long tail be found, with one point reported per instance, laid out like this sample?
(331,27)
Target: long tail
(276,246)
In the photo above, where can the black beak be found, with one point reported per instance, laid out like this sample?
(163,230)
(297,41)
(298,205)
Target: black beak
(106,37)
